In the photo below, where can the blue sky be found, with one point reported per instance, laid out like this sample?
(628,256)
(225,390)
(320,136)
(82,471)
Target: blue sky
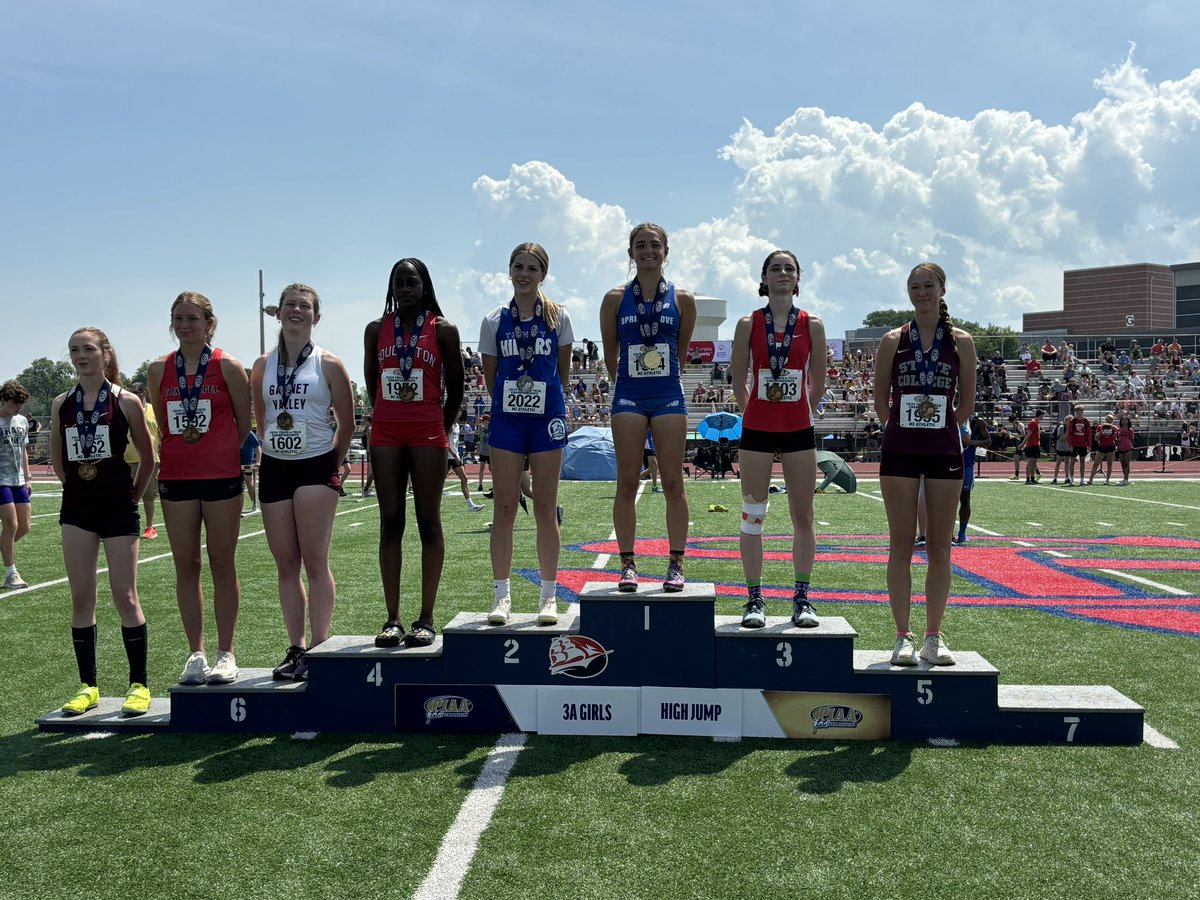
(155,148)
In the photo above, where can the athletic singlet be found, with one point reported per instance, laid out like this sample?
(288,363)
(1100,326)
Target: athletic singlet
(545,397)
(427,376)
(309,433)
(1106,436)
(941,441)
(218,452)
(793,412)
(635,379)
(113,484)
(1124,439)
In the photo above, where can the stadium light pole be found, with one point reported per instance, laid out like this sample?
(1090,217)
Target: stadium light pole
(263,312)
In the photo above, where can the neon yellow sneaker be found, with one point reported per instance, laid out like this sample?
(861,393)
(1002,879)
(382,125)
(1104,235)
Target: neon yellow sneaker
(87,698)
(137,701)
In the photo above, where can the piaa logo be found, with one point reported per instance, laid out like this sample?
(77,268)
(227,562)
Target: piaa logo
(577,656)
(557,429)
(447,706)
(835,717)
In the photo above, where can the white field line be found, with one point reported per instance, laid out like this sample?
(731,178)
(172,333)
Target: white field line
(1106,524)
(1036,524)
(1146,581)
(1023,544)
(445,879)
(146,559)
(603,558)
(982,530)
(1156,738)
(1118,496)
(1178,524)
(1056,553)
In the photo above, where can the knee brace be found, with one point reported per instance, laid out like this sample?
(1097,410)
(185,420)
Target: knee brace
(753,515)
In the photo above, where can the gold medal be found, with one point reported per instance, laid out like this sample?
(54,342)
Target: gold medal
(87,470)
(927,410)
(775,392)
(408,393)
(191,434)
(525,384)
(284,421)
(651,359)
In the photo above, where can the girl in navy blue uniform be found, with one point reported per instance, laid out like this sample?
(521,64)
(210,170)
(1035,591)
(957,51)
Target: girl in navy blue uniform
(644,324)
(526,349)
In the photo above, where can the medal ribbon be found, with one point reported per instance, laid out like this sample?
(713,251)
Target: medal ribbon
(191,398)
(285,383)
(926,366)
(406,352)
(526,338)
(779,355)
(649,315)
(87,428)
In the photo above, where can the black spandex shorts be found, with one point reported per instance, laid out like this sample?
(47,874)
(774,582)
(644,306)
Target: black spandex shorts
(777,441)
(103,521)
(206,490)
(280,478)
(948,467)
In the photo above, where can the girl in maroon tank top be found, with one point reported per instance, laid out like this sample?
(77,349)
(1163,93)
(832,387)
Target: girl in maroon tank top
(92,424)
(920,369)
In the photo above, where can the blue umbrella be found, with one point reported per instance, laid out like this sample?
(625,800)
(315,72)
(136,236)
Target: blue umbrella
(719,425)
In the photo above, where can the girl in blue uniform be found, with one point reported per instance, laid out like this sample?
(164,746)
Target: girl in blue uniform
(644,323)
(526,350)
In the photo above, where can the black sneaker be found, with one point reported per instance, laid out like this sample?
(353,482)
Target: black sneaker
(390,635)
(558,514)
(754,613)
(803,614)
(490,494)
(524,505)
(301,673)
(286,670)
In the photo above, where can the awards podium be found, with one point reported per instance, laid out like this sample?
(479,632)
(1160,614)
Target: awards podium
(644,663)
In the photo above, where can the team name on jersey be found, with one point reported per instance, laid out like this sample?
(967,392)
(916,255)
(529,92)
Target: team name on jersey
(205,388)
(421,354)
(633,320)
(541,347)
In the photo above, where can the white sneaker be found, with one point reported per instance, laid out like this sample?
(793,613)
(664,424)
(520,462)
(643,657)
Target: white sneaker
(196,670)
(548,611)
(14,580)
(225,671)
(935,651)
(1123,482)
(905,653)
(473,506)
(500,610)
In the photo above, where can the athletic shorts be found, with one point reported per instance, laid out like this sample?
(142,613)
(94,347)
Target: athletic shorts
(1103,451)
(648,406)
(13,494)
(528,434)
(942,466)
(405,434)
(647,455)
(103,521)
(279,478)
(778,441)
(206,490)
(1080,452)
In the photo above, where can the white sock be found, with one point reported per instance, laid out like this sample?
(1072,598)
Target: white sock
(501,586)
(9,570)
(548,589)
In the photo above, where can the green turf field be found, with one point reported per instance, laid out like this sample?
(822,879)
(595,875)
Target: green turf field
(350,816)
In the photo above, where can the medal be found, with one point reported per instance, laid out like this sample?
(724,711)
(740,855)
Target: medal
(927,366)
(87,428)
(408,393)
(778,353)
(285,383)
(525,384)
(190,397)
(775,392)
(651,359)
(405,351)
(526,341)
(926,410)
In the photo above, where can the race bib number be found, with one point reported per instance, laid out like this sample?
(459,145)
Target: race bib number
(101,448)
(921,411)
(286,441)
(531,402)
(649,362)
(177,417)
(404,390)
(785,389)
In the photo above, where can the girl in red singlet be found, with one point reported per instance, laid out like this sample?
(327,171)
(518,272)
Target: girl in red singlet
(414,381)
(201,399)
(778,419)
(918,370)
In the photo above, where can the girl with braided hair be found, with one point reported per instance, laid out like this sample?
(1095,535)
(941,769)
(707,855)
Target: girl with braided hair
(918,370)
(414,380)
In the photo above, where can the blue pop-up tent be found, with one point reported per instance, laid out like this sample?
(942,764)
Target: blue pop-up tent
(589,455)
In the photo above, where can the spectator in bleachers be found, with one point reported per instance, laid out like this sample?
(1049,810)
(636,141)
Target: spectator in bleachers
(1049,352)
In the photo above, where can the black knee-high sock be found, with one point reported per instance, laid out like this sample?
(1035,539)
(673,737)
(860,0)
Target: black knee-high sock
(84,640)
(135,649)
